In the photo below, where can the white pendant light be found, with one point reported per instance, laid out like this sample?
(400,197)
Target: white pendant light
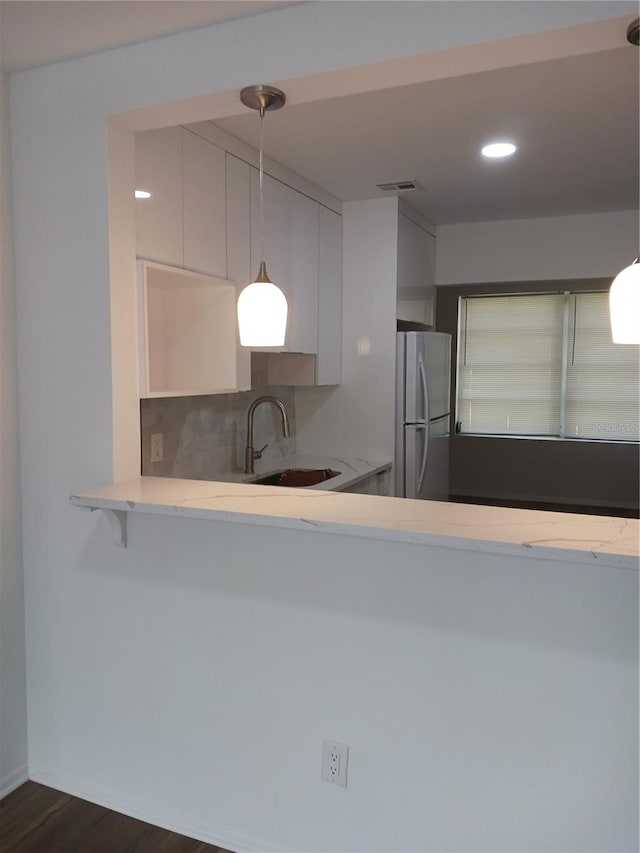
(262,306)
(624,305)
(624,296)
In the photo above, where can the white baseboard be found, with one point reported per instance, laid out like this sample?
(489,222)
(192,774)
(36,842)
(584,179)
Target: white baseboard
(13,780)
(150,812)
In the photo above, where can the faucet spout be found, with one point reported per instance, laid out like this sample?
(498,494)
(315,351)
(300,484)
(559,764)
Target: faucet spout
(249,453)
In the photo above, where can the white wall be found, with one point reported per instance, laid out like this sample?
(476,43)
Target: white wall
(190,678)
(357,417)
(599,244)
(489,703)
(13,722)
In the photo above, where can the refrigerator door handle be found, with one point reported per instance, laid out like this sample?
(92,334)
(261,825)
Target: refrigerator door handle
(423,465)
(412,433)
(423,378)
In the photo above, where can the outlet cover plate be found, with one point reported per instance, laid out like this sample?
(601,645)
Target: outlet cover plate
(157,450)
(335,758)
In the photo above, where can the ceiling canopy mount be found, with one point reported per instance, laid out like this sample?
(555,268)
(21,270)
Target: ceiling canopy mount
(262,97)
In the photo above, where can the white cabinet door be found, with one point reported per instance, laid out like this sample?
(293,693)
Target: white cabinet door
(204,208)
(329,361)
(325,368)
(291,254)
(239,249)
(416,271)
(416,260)
(159,218)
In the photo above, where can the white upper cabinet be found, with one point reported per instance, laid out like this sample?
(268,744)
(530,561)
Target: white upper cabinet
(324,368)
(204,205)
(291,255)
(183,224)
(416,271)
(416,259)
(159,218)
(303,253)
(239,248)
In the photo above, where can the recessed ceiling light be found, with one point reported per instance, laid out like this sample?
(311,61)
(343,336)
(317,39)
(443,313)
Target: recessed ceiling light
(142,194)
(499,149)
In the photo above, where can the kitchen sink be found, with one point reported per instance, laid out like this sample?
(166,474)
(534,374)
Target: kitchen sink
(297,477)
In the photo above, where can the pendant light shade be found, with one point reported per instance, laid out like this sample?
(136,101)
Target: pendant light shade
(262,306)
(624,296)
(624,305)
(262,313)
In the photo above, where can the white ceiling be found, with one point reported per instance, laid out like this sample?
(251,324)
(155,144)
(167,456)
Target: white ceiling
(575,119)
(37,33)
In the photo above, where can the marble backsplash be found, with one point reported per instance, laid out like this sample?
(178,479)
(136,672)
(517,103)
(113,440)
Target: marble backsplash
(205,436)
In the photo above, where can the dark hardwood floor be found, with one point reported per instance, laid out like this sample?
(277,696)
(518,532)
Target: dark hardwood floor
(38,819)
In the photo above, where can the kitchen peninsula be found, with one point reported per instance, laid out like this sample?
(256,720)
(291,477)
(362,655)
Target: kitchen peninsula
(497,530)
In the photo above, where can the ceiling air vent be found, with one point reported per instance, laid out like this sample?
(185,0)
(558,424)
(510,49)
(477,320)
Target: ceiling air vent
(400,187)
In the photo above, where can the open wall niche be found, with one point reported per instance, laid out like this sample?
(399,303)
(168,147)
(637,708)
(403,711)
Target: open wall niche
(187,332)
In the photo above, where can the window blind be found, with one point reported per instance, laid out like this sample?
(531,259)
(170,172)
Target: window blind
(603,389)
(544,365)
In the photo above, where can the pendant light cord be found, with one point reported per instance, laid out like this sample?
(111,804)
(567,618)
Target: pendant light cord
(261,185)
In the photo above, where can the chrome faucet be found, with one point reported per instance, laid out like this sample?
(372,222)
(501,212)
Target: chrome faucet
(250,454)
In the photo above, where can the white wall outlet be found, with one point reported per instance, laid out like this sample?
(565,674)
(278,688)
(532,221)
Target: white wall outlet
(335,757)
(157,454)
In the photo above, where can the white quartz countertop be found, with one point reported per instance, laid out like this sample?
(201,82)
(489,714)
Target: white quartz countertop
(351,470)
(532,533)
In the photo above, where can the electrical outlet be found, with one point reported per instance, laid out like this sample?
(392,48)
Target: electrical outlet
(335,757)
(157,453)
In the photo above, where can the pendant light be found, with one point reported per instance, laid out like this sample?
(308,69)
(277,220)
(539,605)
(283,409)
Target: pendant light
(624,305)
(624,296)
(262,306)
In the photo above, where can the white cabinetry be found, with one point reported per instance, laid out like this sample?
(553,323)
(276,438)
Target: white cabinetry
(238,247)
(416,270)
(204,216)
(377,484)
(159,218)
(183,224)
(324,367)
(291,254)
(204,206)
(186,332)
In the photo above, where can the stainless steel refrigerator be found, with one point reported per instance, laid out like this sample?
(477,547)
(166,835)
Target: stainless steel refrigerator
(423,369)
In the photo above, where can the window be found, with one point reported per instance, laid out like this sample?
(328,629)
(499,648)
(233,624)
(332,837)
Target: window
(543,364)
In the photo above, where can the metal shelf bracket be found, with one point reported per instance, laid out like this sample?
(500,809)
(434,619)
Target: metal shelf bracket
(117,519)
